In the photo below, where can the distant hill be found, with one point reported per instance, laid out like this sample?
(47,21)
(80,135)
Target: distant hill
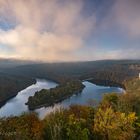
(8,63)
(114,70)
(11,85)
(16,74)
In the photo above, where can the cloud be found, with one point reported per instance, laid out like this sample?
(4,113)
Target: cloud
(64,30)
(125,13)
(45,30)
(119,31)
(31,44)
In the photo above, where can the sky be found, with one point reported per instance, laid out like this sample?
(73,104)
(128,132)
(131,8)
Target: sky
(70,30)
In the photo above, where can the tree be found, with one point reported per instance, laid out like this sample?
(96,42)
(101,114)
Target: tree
(55,125)
(76,129)
(24,127)
(114,125)
(111,99)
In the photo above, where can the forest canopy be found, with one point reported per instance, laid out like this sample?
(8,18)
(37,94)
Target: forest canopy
(117,117)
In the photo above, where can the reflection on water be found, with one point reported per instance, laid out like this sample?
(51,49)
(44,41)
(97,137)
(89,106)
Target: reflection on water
(16,105)
(91,91)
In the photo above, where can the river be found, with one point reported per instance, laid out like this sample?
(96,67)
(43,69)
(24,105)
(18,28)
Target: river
(16,105)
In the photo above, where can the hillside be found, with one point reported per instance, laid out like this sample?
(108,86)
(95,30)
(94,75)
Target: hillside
(10,85)
(46,98)
(112,70)
(133,86)
(115,118)
(18,75)
(10,63)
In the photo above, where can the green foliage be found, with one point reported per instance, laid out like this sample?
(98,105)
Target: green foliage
(129,103)
(11,85)
(76,123)
(55,125)
(133,86)
(114,125)
(137,127)
(106,72)
(54,95)
(117,117)
(84,116)
(110,99)
(76,129)
(72,124)
(25,127)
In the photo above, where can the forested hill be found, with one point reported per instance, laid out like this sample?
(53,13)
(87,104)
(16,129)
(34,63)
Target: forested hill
(17,76)
(10,63)
(117,117)
(112,70)
(10,85)
(49,97)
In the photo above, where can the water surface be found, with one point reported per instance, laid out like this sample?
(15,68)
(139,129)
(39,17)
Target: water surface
(16,105)
(91,92)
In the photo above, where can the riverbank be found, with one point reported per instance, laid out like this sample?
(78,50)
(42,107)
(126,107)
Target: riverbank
(118,112)
(11,88)
(16,105)
(107,83)
(45,98)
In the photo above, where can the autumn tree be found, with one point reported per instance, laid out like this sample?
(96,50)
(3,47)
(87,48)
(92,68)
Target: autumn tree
(76,129)
(113,125)
(24,127)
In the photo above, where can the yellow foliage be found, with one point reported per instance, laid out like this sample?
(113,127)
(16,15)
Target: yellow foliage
(114,125)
